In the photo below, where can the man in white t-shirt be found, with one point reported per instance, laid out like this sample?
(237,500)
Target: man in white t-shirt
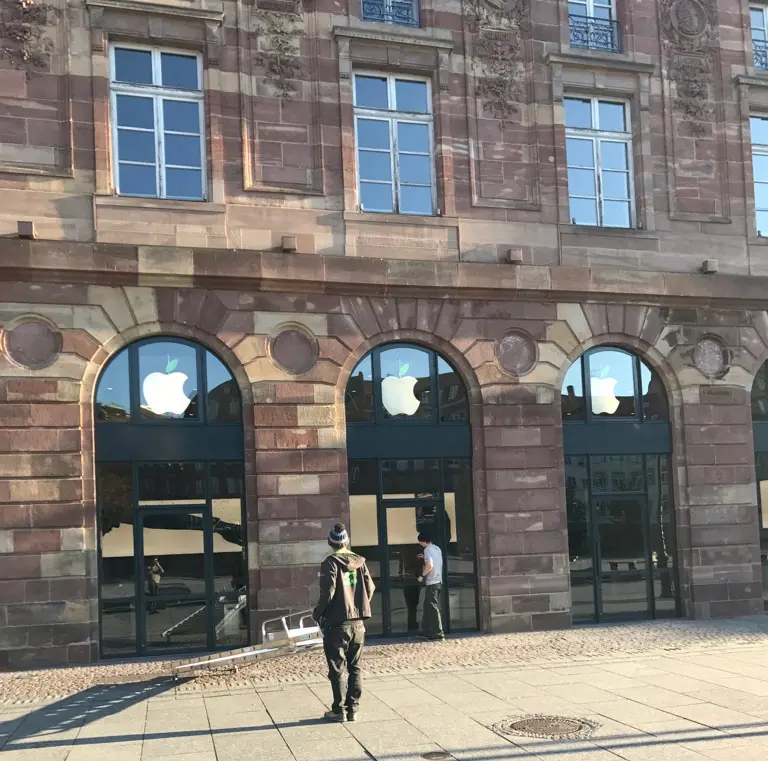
(432,576)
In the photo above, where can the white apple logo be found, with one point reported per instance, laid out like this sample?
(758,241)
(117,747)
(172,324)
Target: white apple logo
(397,394)
(164,392)
(604,401)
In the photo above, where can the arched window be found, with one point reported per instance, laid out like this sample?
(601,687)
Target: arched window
(170,496)
(760,435)
(621,530)
(410,471)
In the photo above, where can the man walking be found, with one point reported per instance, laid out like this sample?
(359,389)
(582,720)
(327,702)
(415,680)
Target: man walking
(346,589)
(432,576)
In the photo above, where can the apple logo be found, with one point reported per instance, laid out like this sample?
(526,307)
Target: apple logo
(164,392)
(604,401)
(397,394)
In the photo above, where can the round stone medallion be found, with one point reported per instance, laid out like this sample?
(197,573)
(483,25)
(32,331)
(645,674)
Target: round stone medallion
(516,353)
(548,727)
(32,343)
(710,357)
(688,18)
(293,351)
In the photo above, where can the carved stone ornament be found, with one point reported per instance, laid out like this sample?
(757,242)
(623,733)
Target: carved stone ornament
(498,27)
(293,350)
(516,353)
(688,29)
(23,41)
(710,357)
(279,44)
(31,343)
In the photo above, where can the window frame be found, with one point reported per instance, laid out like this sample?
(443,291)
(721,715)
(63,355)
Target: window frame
(393,117)
(763,11)
(758,149)
(596,137)
(158,94)
(590,6)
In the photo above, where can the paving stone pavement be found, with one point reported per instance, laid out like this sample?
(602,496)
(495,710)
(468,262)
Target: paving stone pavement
(675,691)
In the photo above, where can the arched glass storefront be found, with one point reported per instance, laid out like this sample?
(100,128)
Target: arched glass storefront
(410,471)
(621,530)
(760,433)
(170,500)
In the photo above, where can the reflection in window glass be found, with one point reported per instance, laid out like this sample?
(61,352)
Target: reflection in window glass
(612,383)
(572,396)
(460,520)
(405,382)
(662,534)
(114,490)
(363,476)
(454,405)
(168,380)
(760,394)
(171,483)
(579,539)
(113,397)
(358,398)
(761,472)
(653,395)
(403,479)
(223,394)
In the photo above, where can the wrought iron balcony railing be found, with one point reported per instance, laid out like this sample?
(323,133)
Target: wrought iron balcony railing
(392,11)
(595,33)
(760,54)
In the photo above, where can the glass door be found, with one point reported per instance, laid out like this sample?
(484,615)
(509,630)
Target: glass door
(174,564)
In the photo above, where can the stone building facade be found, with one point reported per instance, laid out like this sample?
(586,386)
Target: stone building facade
(271,234)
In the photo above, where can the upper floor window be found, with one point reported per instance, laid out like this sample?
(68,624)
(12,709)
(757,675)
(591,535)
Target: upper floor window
(393,128)
(598,152)
(391,11)
(593,24)
(759,132)
(157,123)
(759,21)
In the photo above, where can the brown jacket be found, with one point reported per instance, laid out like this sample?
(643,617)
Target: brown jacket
(346,589)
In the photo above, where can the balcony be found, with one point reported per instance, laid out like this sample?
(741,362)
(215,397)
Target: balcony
(760,54)
(595,33)
(404,12)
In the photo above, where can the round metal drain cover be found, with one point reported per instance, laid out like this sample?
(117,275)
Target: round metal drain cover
(547,727)
(438,755)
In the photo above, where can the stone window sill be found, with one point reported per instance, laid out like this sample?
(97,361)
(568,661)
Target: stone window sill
(412,220)
(160,204)
(611,232)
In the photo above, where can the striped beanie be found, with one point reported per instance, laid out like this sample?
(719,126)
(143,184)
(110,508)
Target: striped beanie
(338,536)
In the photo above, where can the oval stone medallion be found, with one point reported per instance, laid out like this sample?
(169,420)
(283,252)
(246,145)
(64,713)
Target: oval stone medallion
(516,353)
(293,351)
(32,343)
(710,357)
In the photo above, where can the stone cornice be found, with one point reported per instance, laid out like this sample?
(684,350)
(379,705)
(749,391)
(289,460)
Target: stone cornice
(600,61)
(401,38)
(140,6)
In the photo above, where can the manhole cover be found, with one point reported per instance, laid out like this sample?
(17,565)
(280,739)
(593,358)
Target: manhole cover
(438,755)
(549,727)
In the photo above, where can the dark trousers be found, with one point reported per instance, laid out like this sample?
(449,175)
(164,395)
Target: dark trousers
(343,646)
(412,594)
(432,623)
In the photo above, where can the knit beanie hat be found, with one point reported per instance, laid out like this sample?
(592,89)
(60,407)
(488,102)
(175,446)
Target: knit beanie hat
(338,536)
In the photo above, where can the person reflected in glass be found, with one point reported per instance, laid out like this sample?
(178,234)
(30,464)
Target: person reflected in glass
(432,576)
(410,569)
(155,573)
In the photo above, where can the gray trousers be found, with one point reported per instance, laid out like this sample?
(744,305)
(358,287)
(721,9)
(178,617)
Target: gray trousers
(432,623)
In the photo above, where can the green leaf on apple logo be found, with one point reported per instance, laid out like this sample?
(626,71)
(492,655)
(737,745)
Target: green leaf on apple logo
(403,370)
(605,371)
(172,365)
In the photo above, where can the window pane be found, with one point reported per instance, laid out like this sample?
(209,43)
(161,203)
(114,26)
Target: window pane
(133,66)
(136,180)
(411,96)
(405,385)
(114,496)
(415,169)
(612,383)
(135,112)
(415,200)
(762,222)
(364,476)
(613,155)
(168,380)
(372,133)
(580,152)
(578,113)
(616,214)
(577,9)
(374,165)
(371,92)
(602,12)
(223,394)
(581,182)
(136,146)
(572,394)
(184,183)
(761,195)
(113,397)
(181,116)
(171,482)
(617,473)
(412,137)
(579,537)
(182,150)
(759,129)
(616,185)
(376,197)
(653,395)
(359,394)
(454,405)
(583,211)
(760,166)
(758,23)
(612,116)
(760,400)
(402,479)
(179,71)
